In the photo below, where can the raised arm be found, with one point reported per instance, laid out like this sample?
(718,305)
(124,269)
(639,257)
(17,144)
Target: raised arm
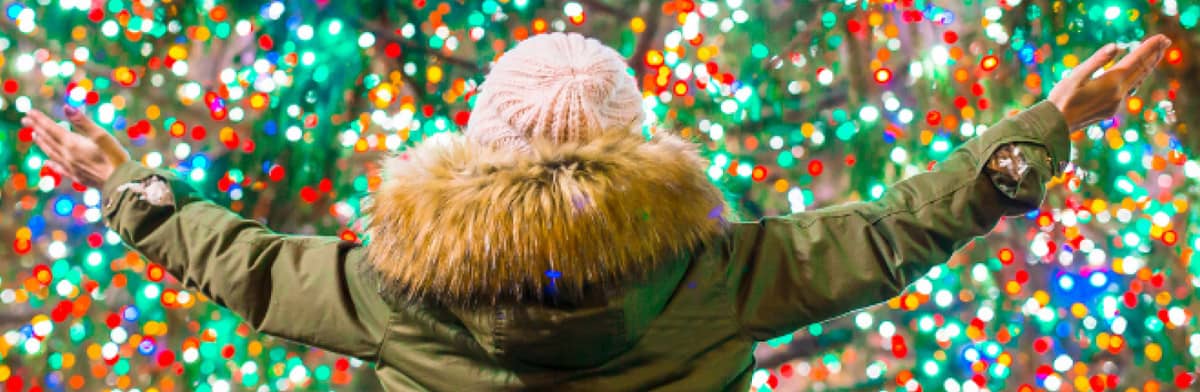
(790,271)
(300,288)
(807,267)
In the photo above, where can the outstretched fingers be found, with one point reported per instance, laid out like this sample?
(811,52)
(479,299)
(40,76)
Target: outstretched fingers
(109,145)
(1142,60)
(82,123)
(53,149)
(45,126)
(1088,67)
(58,168)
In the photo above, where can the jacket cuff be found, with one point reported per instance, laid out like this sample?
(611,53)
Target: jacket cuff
(1045,124)
(127,172)
(138,183)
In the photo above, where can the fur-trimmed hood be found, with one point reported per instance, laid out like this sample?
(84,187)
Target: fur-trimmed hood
(457,221)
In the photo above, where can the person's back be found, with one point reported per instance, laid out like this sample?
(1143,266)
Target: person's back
(553,244)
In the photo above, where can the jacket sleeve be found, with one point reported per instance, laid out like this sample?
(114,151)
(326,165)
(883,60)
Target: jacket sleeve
(302,288)
(790,271)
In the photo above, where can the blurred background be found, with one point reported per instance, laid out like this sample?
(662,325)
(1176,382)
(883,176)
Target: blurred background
(281,109)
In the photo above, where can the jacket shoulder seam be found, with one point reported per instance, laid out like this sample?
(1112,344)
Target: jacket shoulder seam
(383,337)
(730,295)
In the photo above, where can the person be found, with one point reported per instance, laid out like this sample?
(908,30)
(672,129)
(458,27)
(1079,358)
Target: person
(554,244)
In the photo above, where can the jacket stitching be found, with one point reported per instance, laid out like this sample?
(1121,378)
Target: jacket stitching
(730,296)
(500,320)
(387,330)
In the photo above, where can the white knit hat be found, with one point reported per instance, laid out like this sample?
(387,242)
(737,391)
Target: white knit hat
(561,87)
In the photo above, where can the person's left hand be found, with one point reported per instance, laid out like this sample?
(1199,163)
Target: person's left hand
(88,157)
(1084,100)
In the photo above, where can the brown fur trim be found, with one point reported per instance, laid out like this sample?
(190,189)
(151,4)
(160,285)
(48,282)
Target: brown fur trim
(459,222)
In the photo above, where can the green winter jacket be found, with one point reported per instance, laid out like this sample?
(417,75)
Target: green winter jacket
(607,265)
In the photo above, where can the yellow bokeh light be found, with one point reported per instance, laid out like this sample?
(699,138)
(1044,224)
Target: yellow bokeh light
(637,24)
(434,74)
(1070,61)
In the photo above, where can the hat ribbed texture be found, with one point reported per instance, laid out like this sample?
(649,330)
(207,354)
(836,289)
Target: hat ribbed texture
(561,87)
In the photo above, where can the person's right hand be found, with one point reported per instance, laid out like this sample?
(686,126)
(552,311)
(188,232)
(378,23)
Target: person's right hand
(89,155)
(1084,101)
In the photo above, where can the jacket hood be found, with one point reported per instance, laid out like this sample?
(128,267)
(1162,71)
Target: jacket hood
(464,223)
